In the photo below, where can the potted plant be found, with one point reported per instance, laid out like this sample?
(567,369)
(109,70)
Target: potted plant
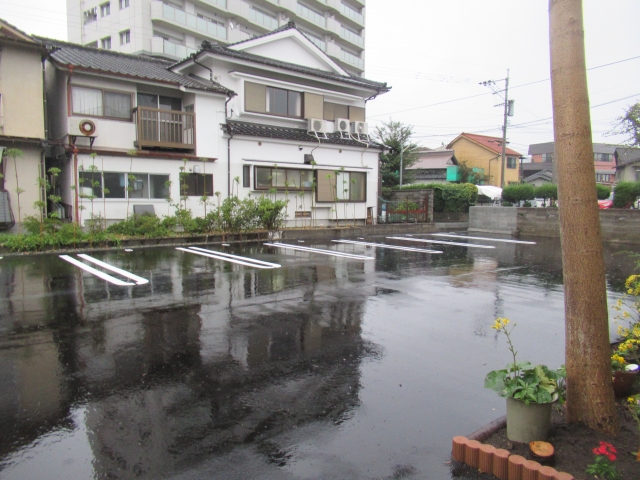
(530,390)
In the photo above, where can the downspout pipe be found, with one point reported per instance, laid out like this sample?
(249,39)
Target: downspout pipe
(226,109)
(203,66)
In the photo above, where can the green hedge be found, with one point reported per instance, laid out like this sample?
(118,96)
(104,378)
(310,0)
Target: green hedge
(547,190)
(449,197)
(603,191)
(516,193)
(625,193)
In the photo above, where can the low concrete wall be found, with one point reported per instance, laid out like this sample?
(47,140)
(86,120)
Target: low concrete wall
(618,225)
(320,234)
(421,197)
(493,220)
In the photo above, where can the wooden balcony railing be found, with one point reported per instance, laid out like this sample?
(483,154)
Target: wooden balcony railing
(158,128)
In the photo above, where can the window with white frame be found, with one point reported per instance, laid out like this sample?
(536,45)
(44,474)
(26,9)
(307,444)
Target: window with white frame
(106,43)
(124,4)
(125,37)
(512,162)
(96,102)
(114,185)
(105,9)
(267,178)
(341,186)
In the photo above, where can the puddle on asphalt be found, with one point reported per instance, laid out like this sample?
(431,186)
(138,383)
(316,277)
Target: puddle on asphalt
(327,367)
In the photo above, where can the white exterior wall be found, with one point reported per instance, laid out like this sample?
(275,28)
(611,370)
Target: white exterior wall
(28,172)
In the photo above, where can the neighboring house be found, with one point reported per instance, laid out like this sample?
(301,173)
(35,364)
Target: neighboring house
(431,166)
(176,28)
(538,178)
(481,151)
(542,158)
(22,123)
(124,125)
(288,127)
(627,164)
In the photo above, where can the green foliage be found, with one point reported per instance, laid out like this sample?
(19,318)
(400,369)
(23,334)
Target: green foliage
(547,190)
(396,136)
(467,175)
(63,235)
(518,192)
(603,191)
(145,225)
(270,213)
(625,193)
(629,125)
(449,197)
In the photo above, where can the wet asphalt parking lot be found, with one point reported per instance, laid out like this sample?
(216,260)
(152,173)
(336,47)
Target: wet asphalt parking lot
(326,367)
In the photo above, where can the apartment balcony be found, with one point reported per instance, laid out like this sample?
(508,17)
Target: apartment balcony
(166,48)
(220,6)
(346,13)
(347,59)
(345,34)
(311,16)
(171,129)
(185,22)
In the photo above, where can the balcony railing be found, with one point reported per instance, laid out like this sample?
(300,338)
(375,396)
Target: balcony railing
(351,36)
(311,15)
(159,128)
(192,22)
(349,12)
(351,59)
(262,18)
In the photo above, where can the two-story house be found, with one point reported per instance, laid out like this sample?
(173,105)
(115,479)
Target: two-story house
(136,131)
(131,132)
(297,125)
(22,124)
(485,153)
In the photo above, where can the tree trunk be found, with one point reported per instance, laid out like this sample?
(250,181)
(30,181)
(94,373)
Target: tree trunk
(590,397)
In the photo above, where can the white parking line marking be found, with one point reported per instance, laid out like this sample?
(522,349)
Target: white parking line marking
(124,273)
(483,238)
(226,259)
(442,242)
(319,251)
(238,257)
(383,245)
(95,272)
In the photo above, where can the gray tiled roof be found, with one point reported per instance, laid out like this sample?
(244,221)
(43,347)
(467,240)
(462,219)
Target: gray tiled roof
(287,133)
(544,175)
(219,49)
(626,156)
(126,65)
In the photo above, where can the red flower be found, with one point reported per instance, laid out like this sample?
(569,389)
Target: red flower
(607,450)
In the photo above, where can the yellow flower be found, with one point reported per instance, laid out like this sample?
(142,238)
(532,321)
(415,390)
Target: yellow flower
(631,400)
(500,323)
(618,358)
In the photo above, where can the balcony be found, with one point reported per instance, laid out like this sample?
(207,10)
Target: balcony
(311,16)
(351,37)
(161,46)
(263,19)
(186,21)
(158,128)
(345,12)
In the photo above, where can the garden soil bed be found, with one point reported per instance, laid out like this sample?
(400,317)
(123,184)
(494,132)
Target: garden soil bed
(573,447)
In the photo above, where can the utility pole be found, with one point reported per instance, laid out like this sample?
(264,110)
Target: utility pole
(508,112)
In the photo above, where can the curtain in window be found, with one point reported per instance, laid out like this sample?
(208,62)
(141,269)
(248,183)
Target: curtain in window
(87,101)
(117,105)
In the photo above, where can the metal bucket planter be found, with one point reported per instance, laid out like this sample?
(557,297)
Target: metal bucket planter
(527,423)
(623,381)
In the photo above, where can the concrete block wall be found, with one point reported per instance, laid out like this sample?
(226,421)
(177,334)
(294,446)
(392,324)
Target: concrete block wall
(416,196)
(493,219)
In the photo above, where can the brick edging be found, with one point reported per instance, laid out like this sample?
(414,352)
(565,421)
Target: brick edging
(500,462)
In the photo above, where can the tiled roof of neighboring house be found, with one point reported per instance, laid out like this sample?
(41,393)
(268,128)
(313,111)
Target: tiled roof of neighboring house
(216,48)
(287,26)
(126,65)
(627,155)
(431,159)
(545,175)
(10,31)
(491,143)
(430,174)
(288,133)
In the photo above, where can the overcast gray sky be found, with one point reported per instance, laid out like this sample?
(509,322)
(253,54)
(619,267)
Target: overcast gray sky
(437,52)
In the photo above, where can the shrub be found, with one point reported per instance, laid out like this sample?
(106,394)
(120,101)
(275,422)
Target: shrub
(146,225)
(449,197)
(625,193)
(517,193)
(603,191)
(547,190)
(270,213)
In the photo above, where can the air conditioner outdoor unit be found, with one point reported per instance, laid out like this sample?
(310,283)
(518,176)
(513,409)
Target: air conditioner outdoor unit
(317,125)
(342,125)
(361,128)
(81,128)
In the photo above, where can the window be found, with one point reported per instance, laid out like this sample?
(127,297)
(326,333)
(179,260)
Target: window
(124,4)
(341,187)
(603,177)
(106,43)
(603,157)
(123,185)
(92,44)
(105,9)
(196,184)
(512,162)
(246,176)
(125,37)
(159,101)
(547,157)
(271,100)
(100,103)
(283,178)
(90,15)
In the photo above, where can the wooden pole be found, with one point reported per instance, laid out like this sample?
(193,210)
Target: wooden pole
(590,397)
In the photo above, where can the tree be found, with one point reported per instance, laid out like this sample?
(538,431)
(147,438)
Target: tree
(590,397)
(629,124)
(547,191)
(396,137)
(468,175)
(516,193)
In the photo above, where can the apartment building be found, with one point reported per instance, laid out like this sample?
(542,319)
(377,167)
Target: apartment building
(176,28)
